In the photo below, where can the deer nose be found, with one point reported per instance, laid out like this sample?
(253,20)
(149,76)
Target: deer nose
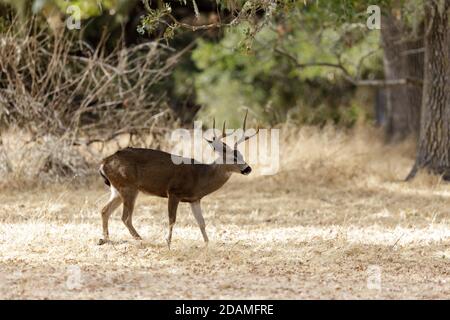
(246,171)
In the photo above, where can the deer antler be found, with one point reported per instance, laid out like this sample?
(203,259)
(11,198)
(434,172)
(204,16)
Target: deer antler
(244,137)
(223,135)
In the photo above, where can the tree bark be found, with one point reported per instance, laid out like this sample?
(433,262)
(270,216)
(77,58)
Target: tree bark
(402,59)
(414,69)
(433,151)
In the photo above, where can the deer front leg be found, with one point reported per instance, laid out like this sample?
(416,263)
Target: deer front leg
(173,205)
(197,211)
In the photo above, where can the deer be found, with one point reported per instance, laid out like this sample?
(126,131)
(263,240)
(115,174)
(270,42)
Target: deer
(133,170)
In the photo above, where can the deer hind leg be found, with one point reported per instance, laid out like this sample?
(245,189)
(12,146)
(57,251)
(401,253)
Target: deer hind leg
(114,202)
(129,199)
(197,211)
(173,206)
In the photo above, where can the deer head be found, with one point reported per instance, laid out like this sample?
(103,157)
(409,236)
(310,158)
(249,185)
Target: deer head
(231,156)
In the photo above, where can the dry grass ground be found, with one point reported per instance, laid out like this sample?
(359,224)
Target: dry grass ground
(335,215)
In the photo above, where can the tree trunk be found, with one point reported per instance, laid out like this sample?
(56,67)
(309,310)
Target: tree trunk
(414,69)
(402,59)
(434,143)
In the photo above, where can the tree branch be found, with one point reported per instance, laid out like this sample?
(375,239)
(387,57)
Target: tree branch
(347,75)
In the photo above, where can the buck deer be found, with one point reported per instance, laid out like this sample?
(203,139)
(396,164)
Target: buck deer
(131,170)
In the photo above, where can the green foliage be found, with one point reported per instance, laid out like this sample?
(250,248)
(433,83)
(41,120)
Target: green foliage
(232,76)
(255,64)
(88,8)
(150,22)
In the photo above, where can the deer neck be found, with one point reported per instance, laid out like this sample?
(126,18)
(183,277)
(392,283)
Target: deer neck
(218,175)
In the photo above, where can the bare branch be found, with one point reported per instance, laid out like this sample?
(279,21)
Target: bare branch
(347,75)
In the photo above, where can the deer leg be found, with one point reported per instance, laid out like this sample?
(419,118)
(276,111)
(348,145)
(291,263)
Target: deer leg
(113,203)
(173,205)
(197,211)
(127,214)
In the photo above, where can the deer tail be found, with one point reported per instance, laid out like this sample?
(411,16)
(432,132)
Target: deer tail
(102,173)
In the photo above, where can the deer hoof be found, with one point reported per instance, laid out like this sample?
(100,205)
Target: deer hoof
(102,242)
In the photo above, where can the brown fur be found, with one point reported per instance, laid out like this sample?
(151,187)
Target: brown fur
(153,172)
